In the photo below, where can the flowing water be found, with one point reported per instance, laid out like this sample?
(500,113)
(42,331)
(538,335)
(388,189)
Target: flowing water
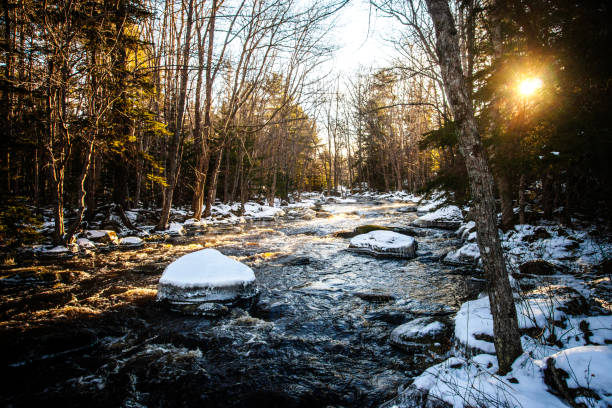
(88,330)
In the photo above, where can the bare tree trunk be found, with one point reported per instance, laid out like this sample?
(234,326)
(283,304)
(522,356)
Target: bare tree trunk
(212,186)
(203,154)
(175,146)
(82,192)
(505,325)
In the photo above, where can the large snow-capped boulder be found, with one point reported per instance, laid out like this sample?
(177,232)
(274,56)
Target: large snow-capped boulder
(385,243)
(205,282)
(448,217)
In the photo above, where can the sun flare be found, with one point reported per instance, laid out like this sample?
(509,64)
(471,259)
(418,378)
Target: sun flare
(529,86)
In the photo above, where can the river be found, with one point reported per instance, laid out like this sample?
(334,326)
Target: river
(88,331)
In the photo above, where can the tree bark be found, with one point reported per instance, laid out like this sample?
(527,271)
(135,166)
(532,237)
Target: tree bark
(82,192)
(505,325)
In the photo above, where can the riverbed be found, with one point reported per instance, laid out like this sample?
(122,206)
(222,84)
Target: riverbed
(88,331)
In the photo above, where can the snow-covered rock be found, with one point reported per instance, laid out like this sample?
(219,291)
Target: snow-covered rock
(175,228)
(385,243)
(193,223)
(419,333)
(466,229)
(581,375)
(102,236)
(468,254)
(84,243)
(194,281)
(436,200)
(131,242)
(448,217)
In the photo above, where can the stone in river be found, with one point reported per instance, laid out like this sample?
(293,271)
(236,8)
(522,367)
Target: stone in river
(103,236)
(385,243)
(206,282)
(448,217)
(424,332)
(131,242)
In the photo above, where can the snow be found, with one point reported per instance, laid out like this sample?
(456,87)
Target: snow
(588,367)
(206,268)
(175,228)
(463,383)
(469,253)
(195,223)
(131,241)
(450,213)
(436,200)
(98,234)
(85,243)
(382,240)
(57,250)
(415,329)
(474,320)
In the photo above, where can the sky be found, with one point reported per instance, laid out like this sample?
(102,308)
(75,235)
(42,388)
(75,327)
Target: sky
(359,33)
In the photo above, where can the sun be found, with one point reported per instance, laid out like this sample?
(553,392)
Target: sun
(529,86)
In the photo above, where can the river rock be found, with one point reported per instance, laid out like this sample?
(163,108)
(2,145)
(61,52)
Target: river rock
(448,217)
(407,209)
(362,229)
(131,242)
(424,332)
(385,243)
(375,296)
(206,282)
(469,254)
(102,236)
(84,243)
(537,267)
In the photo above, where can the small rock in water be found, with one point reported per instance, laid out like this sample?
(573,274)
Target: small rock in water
(206,282)
(385,243)
(103,236)
(449,217)
(131,242)
(469,254)
(375,296)
(411,208)
(424,332)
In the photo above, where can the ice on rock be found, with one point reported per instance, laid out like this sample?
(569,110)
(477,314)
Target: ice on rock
(448,217)
(206,276)
(385,243)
